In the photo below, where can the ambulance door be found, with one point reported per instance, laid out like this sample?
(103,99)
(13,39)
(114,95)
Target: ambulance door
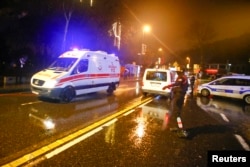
(82,79)
(99,68)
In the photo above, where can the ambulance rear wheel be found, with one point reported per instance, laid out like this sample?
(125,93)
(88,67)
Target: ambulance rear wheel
(68,93)
(111,88)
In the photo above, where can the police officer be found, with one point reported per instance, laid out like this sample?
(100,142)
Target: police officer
(178,92)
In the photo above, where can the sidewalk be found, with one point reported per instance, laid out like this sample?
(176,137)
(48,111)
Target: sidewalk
(12,88)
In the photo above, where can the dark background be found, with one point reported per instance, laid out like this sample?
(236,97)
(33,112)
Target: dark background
(33,32)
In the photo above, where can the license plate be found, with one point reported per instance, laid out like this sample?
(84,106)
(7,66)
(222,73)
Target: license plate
(155,84)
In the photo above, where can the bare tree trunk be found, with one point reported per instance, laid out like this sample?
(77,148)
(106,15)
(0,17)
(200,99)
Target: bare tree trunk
(67,15)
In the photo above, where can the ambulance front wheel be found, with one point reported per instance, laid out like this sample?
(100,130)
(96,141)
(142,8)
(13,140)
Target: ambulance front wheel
(68,93)
(144,93)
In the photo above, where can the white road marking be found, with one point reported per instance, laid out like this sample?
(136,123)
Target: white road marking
(242,142)
(224,117)
(24,104)
(71,143)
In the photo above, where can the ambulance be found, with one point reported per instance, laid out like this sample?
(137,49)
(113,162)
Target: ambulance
(77,72)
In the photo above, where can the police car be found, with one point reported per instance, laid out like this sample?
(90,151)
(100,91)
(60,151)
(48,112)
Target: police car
(229,86)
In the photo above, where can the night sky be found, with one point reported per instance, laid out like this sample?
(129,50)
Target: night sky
(169,19)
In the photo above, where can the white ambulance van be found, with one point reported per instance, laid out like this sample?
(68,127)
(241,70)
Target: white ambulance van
(77,72)
(155,79)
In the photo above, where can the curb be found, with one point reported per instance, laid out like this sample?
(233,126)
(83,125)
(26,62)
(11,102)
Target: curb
(12,89)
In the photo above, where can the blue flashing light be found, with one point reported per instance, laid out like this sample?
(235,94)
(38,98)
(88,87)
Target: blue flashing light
(75,49)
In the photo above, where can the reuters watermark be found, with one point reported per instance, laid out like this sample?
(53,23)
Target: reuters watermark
(228,158)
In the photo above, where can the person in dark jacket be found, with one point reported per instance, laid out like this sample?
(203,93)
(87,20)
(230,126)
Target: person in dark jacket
(178,92)
(192,81)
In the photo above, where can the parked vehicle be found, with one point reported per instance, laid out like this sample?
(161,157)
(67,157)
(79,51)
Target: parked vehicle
(217,69)
(229,86)
(155,79)
(77,72)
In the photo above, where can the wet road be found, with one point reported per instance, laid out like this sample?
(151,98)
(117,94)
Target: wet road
(134,135)
(143,138)
(28,123)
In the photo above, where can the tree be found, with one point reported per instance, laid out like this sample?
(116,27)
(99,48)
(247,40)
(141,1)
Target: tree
(43,29)
(68,10)
(200,34)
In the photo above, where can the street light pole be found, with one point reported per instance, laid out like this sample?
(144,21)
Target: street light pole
(145,29)
(188,62)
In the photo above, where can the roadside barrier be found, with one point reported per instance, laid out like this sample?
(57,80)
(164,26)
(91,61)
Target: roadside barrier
(8,80)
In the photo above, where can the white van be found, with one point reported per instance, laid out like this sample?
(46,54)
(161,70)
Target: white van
(77,72)
(155,79)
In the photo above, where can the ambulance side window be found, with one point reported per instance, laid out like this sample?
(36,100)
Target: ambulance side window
(82,66)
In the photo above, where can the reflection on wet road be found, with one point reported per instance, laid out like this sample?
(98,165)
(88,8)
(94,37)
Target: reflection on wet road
(55,117)
(228,109)
(233,112)
(27,123)
(142,138)
(126,132)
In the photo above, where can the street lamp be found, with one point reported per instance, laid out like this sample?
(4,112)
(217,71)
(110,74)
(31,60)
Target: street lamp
(145,29)
(188,62)
(160,56)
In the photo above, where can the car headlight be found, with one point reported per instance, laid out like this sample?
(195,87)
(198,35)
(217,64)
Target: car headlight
(50,83)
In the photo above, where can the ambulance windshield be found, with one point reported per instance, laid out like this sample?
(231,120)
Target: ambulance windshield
(62,64)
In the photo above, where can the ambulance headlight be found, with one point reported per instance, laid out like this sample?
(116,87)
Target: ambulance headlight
(50,84)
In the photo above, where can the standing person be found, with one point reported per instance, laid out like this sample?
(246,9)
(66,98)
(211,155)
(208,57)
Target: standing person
(179,89)
(192,81)
(126,74)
